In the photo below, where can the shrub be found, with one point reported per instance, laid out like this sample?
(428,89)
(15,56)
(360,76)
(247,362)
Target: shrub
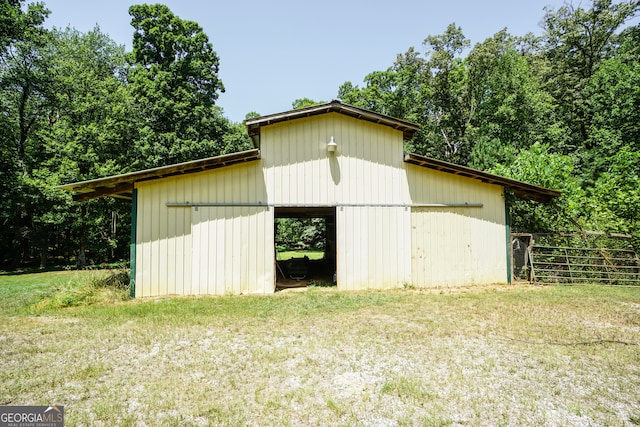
(98,288)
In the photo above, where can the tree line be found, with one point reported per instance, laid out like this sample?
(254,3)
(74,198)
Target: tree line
(561,110)
(76,106)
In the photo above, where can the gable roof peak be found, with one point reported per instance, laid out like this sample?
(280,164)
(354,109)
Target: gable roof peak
(408,128)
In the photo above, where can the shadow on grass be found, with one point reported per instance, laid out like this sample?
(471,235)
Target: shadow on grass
(322,284)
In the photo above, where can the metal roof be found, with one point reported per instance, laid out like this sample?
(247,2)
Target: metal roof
(121,186)
(522,190)
(408,128)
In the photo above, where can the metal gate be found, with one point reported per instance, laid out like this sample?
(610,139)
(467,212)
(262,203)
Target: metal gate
(571,258)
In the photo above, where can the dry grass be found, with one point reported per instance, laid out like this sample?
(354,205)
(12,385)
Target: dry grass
(518,356)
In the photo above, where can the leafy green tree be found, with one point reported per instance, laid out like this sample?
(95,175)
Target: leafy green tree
(90,135)
(577,42)
(478,110)
(235,139)
(174,81)
(617,195)
(251,115)
(397,92)
(164,43)
(613,105)
(613,97)
(304,102)
(20,24)
(489,152)
(449,112)
(539,165)
(23,99)
(629,42)
(511,111)
(295,232)
(431,91)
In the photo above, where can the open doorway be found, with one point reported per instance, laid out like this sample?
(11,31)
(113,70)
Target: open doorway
(305,240)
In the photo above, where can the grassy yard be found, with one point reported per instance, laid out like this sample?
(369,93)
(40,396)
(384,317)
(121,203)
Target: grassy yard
(519,356)
(311,254)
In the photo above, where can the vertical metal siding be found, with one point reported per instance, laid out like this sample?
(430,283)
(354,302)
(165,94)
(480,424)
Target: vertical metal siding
(456,245)
(231,250)
(373,242)
(373,247)
(163,240)
(168,248)
(367,167)
(381,241)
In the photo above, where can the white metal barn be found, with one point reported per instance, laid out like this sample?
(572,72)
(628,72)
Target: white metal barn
(395,219)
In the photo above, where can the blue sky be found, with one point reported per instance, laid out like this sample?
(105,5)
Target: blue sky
(273,52)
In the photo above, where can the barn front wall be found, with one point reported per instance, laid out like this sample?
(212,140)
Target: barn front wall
(397,224)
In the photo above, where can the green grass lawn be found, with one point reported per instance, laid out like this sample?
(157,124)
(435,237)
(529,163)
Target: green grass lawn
(499,355)
(311,254)
(18,291)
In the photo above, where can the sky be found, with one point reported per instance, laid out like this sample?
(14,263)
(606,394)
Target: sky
(273,52)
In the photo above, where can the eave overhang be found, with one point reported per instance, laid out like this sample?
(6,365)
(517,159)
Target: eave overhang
(522,190)
(121,186)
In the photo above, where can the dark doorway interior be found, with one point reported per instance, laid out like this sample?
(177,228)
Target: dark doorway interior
(305,240)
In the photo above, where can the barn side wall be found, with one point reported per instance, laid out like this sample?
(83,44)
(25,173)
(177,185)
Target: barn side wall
(453,245)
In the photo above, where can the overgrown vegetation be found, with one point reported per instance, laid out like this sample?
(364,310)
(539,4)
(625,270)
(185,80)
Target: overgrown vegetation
(99,287)
(36,292)
(524,356)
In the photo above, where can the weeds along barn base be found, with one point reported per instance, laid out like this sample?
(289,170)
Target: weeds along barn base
(207,226)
